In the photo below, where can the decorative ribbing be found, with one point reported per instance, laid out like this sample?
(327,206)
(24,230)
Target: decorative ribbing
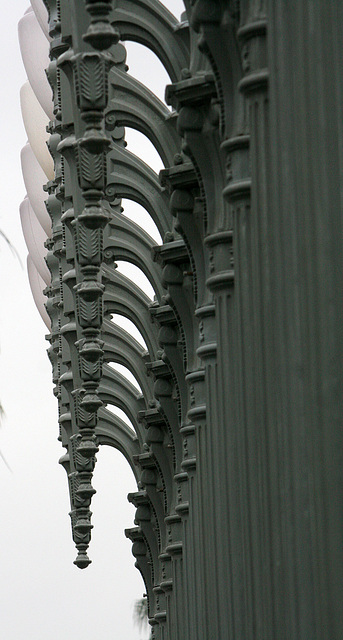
(234,437)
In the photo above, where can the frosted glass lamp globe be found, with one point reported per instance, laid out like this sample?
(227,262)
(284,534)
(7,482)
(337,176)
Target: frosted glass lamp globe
(37,285)
(41,14)
(34,49)
(35,122)
(34,237)
(34,179)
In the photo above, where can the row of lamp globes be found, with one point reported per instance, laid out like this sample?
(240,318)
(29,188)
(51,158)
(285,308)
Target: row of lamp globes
(36,161)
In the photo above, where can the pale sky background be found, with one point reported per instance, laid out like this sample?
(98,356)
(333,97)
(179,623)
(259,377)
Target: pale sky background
(43,596)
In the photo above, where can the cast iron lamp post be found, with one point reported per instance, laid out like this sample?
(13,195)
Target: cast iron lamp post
(236,439)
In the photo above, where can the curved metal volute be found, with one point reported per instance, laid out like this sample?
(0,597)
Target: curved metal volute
(147,519)
(129,177)
(198,125)
(149,23)
(133,105)
(111,430)
(122,296)
(144,561)
(121,347)
(188,211)
(125,240)
(115,389)
(219,41)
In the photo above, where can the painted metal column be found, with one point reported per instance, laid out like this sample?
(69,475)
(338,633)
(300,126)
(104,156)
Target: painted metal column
(236,439)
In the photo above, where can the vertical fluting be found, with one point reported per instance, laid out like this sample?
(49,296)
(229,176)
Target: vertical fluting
(238,517)
(305,50)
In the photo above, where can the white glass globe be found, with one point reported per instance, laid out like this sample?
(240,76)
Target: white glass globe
(34,237)
(34,49)
(41,14)
(35,122)
(37,285)
(34,179)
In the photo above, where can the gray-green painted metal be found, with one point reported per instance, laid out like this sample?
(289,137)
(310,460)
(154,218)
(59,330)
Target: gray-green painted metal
(237,435)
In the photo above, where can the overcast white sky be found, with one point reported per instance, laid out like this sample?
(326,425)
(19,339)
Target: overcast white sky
(43,596)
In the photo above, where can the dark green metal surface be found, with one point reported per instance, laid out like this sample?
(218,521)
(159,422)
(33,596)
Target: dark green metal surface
(236,439)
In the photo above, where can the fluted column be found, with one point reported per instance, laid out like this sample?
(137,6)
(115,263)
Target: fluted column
(306,53)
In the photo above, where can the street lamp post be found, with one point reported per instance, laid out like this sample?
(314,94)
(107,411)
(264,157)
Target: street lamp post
(235,441)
